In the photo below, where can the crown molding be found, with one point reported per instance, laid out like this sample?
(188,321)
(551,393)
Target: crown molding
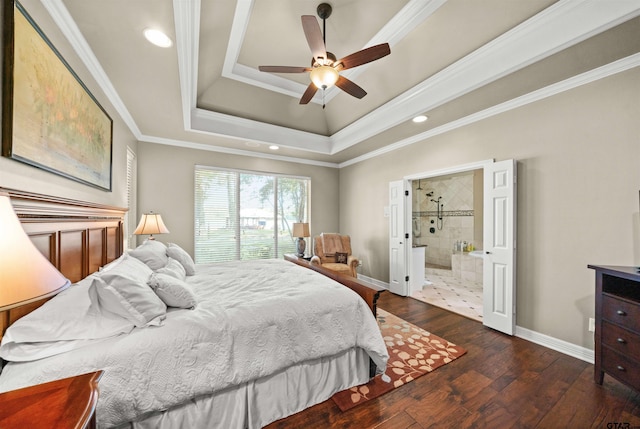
(232,151)
(561,25)
(70,30)
(602,72)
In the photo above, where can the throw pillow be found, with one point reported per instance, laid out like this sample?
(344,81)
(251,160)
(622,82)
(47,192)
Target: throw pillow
(341,258)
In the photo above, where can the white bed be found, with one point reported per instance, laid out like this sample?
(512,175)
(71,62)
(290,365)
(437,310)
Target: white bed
(265,339)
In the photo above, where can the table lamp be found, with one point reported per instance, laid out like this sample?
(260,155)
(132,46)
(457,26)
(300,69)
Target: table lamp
(300,230)
(151,223)
(26,275)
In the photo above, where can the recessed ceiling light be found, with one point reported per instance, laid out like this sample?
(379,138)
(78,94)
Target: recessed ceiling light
(157,37)
(274,147)
(420,118)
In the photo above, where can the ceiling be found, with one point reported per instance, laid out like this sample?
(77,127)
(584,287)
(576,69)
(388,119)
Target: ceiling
(452,60)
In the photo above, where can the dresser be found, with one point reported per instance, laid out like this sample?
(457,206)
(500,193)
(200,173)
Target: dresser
(617,336)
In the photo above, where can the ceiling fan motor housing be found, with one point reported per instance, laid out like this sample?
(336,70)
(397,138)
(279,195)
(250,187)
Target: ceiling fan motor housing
(324,10)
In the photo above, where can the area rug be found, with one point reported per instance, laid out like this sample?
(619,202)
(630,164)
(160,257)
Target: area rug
(413,352)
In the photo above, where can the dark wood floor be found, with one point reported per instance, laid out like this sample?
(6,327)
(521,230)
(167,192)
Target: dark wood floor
(502,382)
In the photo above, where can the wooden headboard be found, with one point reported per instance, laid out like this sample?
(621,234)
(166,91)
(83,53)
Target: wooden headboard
(77,237)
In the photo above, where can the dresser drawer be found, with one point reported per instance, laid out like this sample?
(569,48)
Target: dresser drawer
(621,367)
(621,312)
(621,340)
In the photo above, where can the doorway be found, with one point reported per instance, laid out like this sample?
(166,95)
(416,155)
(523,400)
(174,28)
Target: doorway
(498,238)
(447,228)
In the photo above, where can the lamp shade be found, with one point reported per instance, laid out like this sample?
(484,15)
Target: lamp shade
(151,223)
(324,77)
(26,275)
(300,230)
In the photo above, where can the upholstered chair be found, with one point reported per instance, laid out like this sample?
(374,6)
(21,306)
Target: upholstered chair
(333,251)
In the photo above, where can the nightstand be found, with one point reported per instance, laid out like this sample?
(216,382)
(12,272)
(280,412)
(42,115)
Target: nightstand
(66,403)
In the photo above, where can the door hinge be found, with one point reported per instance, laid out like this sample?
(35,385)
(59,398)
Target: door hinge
(406,193)
(406,235)
(406,278)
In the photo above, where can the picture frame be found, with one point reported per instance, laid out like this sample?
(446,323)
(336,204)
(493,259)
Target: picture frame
(50,119)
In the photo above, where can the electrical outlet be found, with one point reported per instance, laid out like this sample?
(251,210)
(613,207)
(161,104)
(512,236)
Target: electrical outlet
(592,324)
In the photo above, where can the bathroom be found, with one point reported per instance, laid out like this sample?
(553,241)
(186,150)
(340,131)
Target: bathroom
(447,222)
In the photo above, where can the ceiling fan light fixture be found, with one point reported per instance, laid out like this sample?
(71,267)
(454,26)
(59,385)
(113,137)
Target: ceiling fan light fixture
(324,77)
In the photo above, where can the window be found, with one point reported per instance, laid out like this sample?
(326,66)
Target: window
(241,215)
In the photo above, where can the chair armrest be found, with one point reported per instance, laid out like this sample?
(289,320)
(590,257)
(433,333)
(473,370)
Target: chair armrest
(316,260)
(352,261)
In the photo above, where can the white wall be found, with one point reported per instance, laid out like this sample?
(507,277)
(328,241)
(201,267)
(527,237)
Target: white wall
(578,159)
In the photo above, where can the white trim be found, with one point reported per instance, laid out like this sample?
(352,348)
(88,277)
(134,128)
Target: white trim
(187,22)
(602,72)
(556,344)
(232,151)
(68,27)
(373,281)
(561,25)
(544,340)
(410,16)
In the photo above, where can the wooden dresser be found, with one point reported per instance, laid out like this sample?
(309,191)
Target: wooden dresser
(617,336)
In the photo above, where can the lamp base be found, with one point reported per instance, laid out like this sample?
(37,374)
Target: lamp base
(301,245)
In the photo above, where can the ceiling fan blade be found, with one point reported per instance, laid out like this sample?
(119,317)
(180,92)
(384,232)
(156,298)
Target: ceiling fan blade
(283,69)
(350,88)
(308,94)
(362,57)
(314,36)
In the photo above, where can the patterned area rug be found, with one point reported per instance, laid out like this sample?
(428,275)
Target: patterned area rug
(413,352)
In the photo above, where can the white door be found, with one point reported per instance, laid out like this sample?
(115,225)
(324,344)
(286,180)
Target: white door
(499,297)
(398,282)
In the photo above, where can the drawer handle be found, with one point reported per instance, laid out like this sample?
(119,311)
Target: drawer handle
(622,341)
(621,368)
(621,313)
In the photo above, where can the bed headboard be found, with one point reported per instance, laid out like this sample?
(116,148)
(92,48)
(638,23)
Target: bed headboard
(77,237)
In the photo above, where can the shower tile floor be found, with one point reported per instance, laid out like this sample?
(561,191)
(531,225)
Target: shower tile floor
(446,291)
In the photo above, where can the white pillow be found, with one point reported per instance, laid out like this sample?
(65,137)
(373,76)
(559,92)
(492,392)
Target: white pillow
(151,252)
(123,290)
(174,292)
(174,269)
(66,322)
(178,253)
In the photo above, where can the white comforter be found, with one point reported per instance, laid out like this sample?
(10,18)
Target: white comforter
(252,319)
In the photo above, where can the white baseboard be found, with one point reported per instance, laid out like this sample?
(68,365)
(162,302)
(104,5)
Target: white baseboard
(556,344)
(552,343)
(373,281)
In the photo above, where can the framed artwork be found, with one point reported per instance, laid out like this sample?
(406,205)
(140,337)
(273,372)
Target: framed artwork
(50,119)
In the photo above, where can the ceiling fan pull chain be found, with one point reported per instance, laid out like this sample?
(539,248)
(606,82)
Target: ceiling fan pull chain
(323,91)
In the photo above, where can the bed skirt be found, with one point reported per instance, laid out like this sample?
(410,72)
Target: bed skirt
(255,404)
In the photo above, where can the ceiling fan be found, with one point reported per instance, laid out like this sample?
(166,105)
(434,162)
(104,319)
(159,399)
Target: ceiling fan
(325,69)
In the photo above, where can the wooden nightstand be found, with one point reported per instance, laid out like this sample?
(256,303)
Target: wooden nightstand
(61,404)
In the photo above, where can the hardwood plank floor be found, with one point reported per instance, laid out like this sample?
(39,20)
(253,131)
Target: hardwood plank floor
(502,382)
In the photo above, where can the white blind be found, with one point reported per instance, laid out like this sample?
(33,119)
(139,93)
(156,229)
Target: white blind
(242,215)
(130,219)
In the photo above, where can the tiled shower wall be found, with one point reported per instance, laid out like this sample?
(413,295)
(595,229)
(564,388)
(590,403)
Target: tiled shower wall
(461,201)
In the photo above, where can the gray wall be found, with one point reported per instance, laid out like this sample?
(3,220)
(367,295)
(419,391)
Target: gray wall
(166,186)
(578,159)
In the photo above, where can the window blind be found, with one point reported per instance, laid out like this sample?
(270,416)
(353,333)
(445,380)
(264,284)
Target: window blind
(241,215)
